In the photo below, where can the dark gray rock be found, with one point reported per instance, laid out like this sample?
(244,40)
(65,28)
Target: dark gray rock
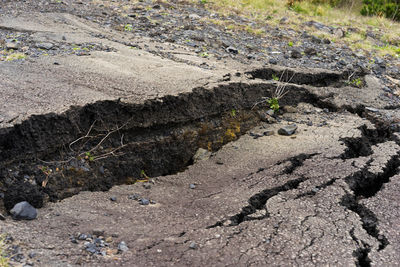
(134,197)
(273,61)
(46,46)
(193,245)
(98,232)
(232,50)
(310,51)
(113,198)
(288,130)
(23,211)
(295,53)
(144,201)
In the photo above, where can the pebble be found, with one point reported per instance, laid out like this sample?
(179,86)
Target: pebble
(232,50)
(194,16)
(23,211)
(97,232)
(147,186)
(193,245)
(113,198)
(122,247)
(82,237)
(192,186)
(295,53)
(134,197)
(46,46)
(12,45)
(273,61)
(288,130)
(201,154)
(2,217)
(144,201)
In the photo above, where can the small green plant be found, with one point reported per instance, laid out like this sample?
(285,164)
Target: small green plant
(203,2)
(280,91)
(204,54)
(4,260)
(290,43)
(357,82)
(128,28)
(275,78)
(273,103)
(89,156)
(233,113)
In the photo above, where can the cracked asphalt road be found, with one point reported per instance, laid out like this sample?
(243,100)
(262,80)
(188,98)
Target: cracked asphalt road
(329,195)
(303,223)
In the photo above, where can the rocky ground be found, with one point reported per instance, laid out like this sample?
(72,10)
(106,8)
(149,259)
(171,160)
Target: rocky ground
(139,132)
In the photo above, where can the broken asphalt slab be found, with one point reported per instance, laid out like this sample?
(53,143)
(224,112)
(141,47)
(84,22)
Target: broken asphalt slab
(277,200)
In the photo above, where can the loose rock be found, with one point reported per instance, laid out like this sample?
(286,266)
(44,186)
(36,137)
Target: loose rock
(122,247)
(288,130)
(144,201)
(23,211)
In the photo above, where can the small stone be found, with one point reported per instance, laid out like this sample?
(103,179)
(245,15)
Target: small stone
(219,161)
(315,190)
(101,169)
(32,255)
(23,211)
(295,53)
(113,198)
(284,20)
(326,41)
(232,50)
(134,197)
(201,154)
(339,33)
(46,46)
(122,247)
(192,186)
(12,45)
(309,123)
(90,247)
(153,202)
(82,237)
(310,51)
(109,239)
(147,185)
(73,240)
(193,245)
(98,232)
(269,132)
(289,109)
(194,16)
(288,130)
(2,217)
(372,109)
(144,201)
(273,61)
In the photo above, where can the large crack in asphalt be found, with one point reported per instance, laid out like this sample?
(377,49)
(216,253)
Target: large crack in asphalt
(258,201)
(361,146)
(54,156)
(366,184)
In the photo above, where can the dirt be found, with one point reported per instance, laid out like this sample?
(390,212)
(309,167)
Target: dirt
(87,134)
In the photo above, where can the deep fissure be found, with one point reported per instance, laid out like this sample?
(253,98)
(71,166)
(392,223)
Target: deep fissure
(258,201)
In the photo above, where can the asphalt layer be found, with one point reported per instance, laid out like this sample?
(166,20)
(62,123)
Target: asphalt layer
(326,195)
